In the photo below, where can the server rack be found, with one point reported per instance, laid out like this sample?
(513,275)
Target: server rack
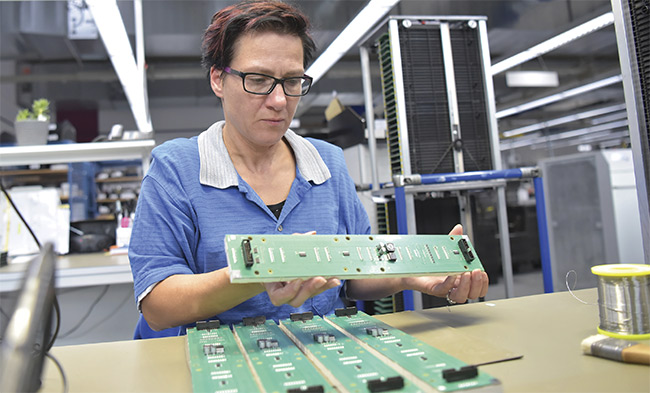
(441,78)
(440,111)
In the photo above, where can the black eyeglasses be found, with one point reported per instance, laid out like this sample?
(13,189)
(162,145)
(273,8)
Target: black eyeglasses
(262,84)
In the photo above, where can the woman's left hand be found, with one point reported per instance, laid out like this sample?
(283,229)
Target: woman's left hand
(457,289)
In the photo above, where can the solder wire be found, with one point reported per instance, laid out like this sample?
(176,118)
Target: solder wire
(624,300)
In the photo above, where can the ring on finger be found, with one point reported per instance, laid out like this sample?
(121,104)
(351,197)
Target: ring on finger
(449,300)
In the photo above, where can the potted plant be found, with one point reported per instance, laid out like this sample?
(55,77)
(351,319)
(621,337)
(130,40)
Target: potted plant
(32,126)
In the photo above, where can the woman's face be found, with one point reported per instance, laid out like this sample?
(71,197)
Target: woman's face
(260,120)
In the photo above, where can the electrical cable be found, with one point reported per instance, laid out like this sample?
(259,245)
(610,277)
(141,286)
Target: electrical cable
(110,314)
(57,326)
(58,365)
(90,310)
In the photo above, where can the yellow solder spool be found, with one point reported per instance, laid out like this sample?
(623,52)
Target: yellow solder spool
(624,300)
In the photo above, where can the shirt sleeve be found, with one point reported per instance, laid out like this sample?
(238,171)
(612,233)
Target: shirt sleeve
(163,236)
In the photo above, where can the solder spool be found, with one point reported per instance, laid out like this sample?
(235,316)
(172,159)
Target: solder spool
(624,300)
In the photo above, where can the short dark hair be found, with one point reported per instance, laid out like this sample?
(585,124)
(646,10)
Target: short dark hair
(230,23)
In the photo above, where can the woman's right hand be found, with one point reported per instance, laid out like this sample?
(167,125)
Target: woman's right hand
(296,292)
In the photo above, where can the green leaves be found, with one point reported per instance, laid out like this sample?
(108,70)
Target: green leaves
(40,111)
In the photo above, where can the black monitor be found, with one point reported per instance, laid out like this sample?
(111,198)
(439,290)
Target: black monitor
(26,337)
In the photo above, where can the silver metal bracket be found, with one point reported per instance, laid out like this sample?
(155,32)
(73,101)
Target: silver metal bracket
(406,180)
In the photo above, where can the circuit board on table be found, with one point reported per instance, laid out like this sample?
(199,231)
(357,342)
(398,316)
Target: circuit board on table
(346,352)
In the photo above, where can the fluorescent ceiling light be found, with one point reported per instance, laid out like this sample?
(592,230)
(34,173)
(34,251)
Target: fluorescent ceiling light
(364,21)
(558,96)
(554,43)
(563,120)
(532,79)
(113,33)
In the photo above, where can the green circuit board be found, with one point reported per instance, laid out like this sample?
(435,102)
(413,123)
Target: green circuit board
(268,258)
(350,352)
(425,362)
(216,362)
(279,364)
(353,367)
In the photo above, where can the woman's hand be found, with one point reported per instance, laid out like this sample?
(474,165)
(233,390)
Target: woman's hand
(296,292)
(457,289)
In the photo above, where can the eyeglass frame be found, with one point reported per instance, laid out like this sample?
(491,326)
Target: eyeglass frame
(276,81)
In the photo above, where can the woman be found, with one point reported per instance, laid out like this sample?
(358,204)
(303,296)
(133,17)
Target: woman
(250,174)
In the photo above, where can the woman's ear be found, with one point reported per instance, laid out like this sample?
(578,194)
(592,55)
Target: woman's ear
(216,81)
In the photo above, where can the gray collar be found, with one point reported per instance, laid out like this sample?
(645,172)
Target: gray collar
(217,169)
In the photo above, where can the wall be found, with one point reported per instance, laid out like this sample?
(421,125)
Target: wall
(357,159)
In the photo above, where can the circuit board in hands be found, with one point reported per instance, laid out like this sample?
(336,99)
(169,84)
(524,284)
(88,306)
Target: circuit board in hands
(271,258)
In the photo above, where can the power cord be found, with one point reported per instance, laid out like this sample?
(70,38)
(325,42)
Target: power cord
(110,314)
(90,310)
(58,365)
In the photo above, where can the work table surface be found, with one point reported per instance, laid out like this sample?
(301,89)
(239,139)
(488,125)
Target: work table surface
(546,329)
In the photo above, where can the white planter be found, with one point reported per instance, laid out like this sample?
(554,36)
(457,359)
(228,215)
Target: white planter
(31,132)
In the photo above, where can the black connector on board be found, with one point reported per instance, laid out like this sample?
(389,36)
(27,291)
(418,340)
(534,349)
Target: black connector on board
(208,325)
(308,389)
(302,316)
(248,254)
(467,252)
(345,312)
(461,374)
(385,384)
(254,321)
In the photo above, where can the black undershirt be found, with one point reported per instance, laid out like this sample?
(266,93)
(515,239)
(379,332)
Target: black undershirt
(276,209)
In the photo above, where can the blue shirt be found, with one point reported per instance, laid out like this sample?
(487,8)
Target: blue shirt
(192,196)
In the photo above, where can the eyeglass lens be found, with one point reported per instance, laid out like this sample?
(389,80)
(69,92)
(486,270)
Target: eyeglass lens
(262,84)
